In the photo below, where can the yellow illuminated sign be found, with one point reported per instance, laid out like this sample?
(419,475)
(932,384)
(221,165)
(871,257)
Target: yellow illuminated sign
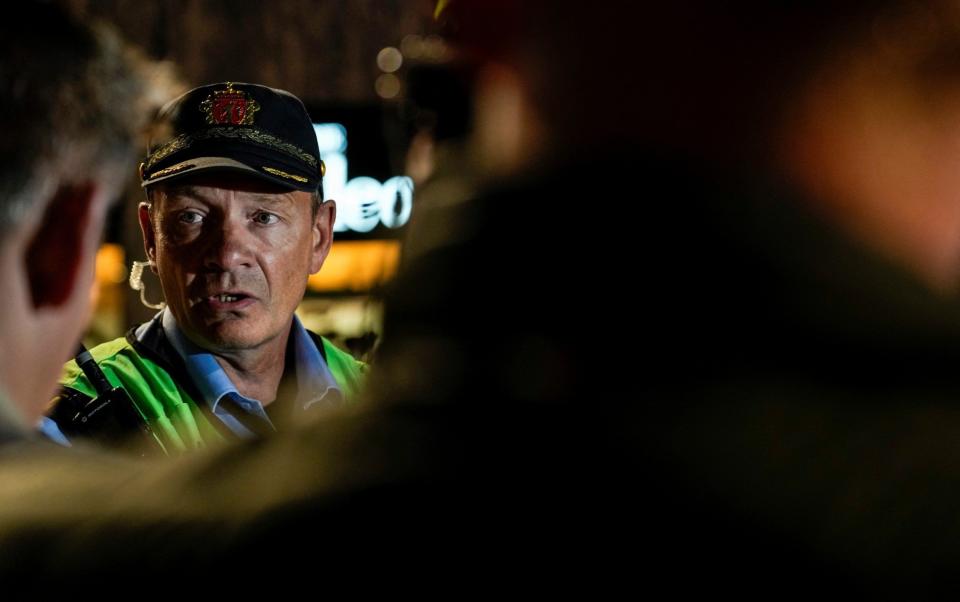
(357,265)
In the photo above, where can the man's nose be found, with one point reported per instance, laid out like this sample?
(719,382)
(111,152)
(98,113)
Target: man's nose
(229,246)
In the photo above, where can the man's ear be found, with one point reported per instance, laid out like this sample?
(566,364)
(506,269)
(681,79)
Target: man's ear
(322,234)
(149,241)
(56,250)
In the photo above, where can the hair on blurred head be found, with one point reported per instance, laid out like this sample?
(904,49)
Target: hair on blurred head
(73,101)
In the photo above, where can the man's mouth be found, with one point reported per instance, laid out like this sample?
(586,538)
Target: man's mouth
(229,297)
(229,300)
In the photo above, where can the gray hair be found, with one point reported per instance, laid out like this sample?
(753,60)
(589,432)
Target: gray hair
(73,102)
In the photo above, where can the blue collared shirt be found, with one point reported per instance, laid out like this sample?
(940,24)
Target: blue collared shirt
(315,382)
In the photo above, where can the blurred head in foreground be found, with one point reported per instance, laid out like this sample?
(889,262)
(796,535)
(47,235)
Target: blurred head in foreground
(71,102)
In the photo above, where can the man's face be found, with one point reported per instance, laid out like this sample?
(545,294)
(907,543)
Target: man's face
(233,255)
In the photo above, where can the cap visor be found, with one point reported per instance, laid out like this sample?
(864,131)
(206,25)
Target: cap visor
(192,166)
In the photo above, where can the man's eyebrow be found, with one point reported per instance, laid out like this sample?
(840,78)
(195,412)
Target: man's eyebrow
(272,197)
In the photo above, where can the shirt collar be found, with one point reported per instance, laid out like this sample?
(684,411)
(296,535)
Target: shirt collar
(315,382)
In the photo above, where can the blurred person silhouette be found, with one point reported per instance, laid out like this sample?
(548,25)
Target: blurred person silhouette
(71,107)
(761,200)
(234,224)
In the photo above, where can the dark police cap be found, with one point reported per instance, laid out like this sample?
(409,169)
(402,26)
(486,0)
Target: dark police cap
(231,126)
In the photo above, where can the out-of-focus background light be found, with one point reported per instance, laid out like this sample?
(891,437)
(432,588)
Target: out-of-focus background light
(388,86)
(389,59)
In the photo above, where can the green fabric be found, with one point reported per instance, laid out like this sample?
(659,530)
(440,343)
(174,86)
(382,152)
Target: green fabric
(347,371)
(177,421)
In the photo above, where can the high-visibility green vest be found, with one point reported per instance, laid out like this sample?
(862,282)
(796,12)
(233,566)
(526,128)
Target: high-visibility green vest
(177,421)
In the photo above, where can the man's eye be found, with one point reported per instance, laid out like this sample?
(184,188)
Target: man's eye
(190,217)
(265,219)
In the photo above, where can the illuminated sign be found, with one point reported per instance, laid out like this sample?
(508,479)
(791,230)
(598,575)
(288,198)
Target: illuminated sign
(363,202)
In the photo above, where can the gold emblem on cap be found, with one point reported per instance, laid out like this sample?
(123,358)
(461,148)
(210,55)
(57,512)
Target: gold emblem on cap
(229,107)
(323,168)
(284,174)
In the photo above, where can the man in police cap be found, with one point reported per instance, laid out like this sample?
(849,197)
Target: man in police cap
(796,422)
(233,225)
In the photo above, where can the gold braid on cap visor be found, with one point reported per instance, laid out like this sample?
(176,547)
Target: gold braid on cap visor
(251,134)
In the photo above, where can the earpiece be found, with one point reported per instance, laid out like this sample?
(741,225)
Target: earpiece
(137,284)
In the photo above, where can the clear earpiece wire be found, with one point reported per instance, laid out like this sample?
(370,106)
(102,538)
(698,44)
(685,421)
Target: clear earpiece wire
(136,283)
